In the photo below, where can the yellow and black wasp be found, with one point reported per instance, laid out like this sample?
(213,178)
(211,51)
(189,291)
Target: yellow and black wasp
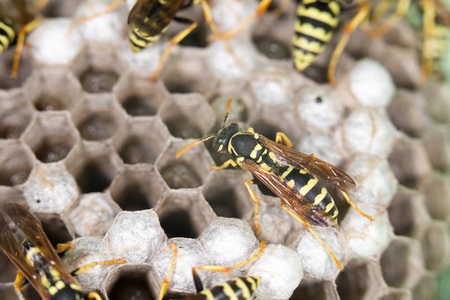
(37,260)
(148,19)
(237,288)
(288,174)
(17,18)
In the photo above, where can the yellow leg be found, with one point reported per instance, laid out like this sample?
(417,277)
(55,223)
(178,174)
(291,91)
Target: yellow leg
(347,198)
(401,10)
(227,270)
(208,16)
(20,42)
(91,265)
(172,266)
(263,5)
(280,9)
(251,130)
(112,7)
(20,283)
(94,295)
(175,40)
(351,26)
(429,15)
(256,200)
(282,137)
(226,164)
(65,248)
(308,226)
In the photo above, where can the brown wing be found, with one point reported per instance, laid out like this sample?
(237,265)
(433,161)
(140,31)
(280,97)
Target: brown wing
(32,229)
(296,202)
(13,250)
(312,164)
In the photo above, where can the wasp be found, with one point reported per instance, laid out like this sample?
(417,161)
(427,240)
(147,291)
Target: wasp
(37,260)
(14,28)
(288,174)
(149,19)
(237,288)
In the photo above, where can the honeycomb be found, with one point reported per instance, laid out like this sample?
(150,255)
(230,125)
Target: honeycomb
(89,144)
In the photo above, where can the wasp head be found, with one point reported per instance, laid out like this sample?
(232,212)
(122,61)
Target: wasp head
(223,137)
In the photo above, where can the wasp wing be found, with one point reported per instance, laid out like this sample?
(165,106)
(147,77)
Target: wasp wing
(32,229)
(288,156)
(13,250)
(295,201)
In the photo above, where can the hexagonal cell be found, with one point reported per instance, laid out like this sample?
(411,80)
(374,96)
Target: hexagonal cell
(141,141)
(438,104)
(137,188)
(407,213)
(186,73)
(7,82)
(425,289)
(51,136)
(130,282)
(97,117)
(15,113)
(138,96)
(184,214)
(316,290)
(227,195)
(397,294)
(360,280)
(437,196)
(435,246)
(189,171)
(94,167)
(401,263)
(436,141)
(15,162)
(409,162)
(187,116)
(98,73)
(53,89)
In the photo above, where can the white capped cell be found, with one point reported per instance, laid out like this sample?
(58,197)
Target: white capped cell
(55,42)
(324,146)
(281,271)
(371,84)
(364,237)
(318,108)
(375,182)
(228,241)
(315,259)
(136,236)
(272,87)
(145,61)
(50,188)
(228,15)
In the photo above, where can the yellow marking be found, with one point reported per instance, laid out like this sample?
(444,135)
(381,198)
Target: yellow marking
(315,32)
(329,207)
(313,46)
(266,167)
(220,148)
(4,41)
(320,197)
(259,159)
(44,281)
(228,291)
(307,187)
(31,252)
(303,171)
(52,290)
(240,160)
(302,63)
(253,282)
(253,154)
(336,212)
(241,284)
(319,15)
(273,156)
(75,286)
(291,183)
(208,294)
(60,284)
(8,29)
(258,147)
(54,273)
(286,173)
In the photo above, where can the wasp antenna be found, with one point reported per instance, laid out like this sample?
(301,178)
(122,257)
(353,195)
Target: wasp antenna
(225,119)
(189,146)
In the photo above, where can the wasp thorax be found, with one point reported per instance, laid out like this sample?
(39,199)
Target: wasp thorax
(223,137)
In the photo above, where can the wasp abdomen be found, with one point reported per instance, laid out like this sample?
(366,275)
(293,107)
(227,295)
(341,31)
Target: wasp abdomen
(314,27)
(7,33)
(240,288)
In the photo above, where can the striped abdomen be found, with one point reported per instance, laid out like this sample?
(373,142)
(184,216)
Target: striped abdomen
(241,288)
(314,27)
(309,187)
(7,33)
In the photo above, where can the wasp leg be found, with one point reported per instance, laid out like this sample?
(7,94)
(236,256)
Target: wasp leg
(226,164)
(401,10)
(111,7)
(94,295)
(263,5)
(348,29)
(347,198)
(308,226)
(282,138)
(227,270)
(172,266)
(207,13)
(175,40)
(20,283)
(20,42)
(65,248)
(280,9)
(93,264)
(251,130)
(429,15)
(256,200)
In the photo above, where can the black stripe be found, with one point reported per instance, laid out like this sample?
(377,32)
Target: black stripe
(309,38)
(322,6)
(315,23)
(303,50)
